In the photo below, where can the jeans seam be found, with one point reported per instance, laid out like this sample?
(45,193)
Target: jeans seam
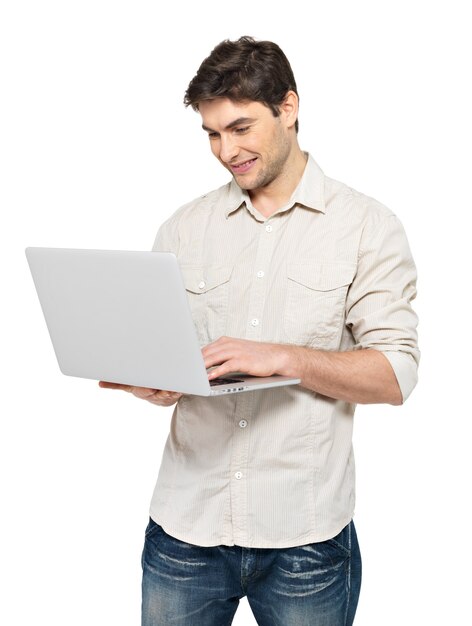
(340,546)
(348,578)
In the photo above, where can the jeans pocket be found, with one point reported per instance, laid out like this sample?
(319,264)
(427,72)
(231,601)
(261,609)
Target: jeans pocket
(342,541)
(151,528)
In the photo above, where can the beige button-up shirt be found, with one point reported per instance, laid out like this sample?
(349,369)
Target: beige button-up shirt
(331,270)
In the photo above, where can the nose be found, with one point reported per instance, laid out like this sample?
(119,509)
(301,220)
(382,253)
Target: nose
(228,148)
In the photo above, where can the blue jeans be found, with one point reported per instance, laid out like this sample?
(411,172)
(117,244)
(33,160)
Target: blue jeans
(316,584)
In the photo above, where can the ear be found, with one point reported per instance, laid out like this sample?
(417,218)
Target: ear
(289,109)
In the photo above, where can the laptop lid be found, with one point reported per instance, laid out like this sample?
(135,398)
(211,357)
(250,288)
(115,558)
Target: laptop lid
(124,317)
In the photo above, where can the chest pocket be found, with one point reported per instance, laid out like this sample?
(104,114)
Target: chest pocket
(315,304)
(208,294)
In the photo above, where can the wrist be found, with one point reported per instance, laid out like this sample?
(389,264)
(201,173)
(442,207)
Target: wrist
(292,361)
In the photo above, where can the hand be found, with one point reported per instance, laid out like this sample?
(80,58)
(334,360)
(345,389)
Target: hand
(242,355)
(155,396)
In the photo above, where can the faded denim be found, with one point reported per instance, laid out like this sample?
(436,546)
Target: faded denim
(316,584)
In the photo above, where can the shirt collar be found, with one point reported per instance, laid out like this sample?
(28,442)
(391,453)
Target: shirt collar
(308,194)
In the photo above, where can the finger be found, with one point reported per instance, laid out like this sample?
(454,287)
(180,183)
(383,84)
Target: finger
(163,395)
(166,395)
(224,368)
(107,385)
(222,354)
(216,345)
(164,398)
(139,392)
(145,392)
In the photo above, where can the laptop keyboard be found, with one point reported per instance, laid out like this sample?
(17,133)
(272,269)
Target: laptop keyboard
(225,381)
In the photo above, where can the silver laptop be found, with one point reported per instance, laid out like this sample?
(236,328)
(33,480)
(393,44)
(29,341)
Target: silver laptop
(124,317)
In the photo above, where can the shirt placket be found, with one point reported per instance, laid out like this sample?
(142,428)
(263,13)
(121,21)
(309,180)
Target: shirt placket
(240,466)
(258,280)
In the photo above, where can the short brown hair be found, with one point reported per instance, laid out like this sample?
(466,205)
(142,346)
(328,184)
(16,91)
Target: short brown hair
(243,70)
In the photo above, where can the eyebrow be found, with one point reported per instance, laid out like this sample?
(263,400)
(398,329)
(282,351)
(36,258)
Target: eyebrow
(237,122)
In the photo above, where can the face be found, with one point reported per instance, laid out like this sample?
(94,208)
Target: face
(248,140)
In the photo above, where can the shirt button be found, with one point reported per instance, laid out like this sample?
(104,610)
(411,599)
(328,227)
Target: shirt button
(243,423)
(260,274)
(269,228)
(255,322)
(201,284)
(238,475)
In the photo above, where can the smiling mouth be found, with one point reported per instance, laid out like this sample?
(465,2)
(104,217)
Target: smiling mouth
(243,167)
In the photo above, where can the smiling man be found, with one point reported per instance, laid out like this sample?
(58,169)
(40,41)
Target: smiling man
(254,145)
(287,272)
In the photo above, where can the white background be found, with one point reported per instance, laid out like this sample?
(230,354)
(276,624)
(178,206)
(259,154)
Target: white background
(97,150)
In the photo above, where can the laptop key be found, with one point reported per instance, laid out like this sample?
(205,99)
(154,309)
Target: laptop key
(224,381)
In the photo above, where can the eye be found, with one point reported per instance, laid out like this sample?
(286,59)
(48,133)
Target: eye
(241,130)
(213,135)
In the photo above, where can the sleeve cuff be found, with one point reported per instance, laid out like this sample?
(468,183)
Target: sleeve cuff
(405,369)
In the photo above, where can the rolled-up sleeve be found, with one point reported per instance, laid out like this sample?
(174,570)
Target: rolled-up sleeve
(378,307)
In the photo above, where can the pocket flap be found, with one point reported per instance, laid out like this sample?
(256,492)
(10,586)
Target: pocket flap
(321,276)
(201,280)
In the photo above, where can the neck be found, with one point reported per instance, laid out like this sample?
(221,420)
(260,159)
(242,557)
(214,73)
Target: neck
(269,199)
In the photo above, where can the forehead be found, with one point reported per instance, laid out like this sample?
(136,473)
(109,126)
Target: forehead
(221,112)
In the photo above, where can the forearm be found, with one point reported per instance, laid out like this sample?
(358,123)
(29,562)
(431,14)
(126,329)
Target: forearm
(360,376)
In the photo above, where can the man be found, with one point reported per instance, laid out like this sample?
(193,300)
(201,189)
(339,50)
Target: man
(287,272)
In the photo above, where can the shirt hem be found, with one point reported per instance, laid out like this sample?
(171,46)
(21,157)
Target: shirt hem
(292,543)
